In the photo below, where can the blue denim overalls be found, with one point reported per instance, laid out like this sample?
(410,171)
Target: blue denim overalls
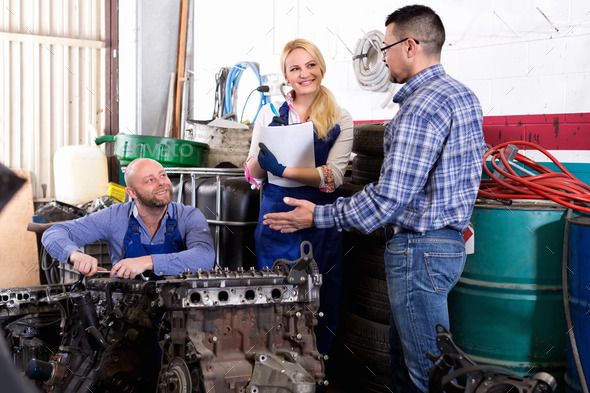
(135,248)
(327,243)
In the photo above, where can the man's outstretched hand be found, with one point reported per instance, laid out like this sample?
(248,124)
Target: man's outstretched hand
(300,218)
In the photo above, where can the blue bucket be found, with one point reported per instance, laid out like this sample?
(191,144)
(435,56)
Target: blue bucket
(579,299)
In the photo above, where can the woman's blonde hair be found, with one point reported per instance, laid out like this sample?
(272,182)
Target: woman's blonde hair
(324,110)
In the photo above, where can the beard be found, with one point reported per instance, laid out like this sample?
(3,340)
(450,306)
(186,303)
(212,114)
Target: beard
(152,200)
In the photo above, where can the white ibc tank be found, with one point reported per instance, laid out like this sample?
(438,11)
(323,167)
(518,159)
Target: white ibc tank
(80,174)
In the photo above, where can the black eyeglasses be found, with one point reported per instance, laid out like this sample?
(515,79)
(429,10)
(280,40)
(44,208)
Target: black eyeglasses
(384,49)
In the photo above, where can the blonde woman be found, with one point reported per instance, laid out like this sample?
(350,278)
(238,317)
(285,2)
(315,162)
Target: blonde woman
(304,67)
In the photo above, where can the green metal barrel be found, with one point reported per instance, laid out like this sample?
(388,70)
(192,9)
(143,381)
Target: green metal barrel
(507,308)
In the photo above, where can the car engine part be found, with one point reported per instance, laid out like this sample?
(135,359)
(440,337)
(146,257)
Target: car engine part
(454,372)
(216,331)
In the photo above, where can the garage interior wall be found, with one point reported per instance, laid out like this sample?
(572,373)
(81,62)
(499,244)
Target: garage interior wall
(527,61)
(520,57)
(52,83)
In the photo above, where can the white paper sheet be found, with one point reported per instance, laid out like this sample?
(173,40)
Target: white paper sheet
(292,146)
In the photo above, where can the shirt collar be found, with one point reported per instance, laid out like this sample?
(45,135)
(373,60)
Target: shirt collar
(289,98)
(133,211)
(417,81)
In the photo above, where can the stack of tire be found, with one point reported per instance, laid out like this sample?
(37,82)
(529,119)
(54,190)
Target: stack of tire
(360,359)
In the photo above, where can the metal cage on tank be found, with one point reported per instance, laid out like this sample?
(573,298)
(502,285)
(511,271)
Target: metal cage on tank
(230,206)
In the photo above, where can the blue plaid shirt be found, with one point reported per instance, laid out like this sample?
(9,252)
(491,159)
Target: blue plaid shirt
(432,165)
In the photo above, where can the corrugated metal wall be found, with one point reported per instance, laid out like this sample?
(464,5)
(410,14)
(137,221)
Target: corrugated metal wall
(52,82)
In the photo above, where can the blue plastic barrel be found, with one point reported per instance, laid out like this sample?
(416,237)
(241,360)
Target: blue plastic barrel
(579,299)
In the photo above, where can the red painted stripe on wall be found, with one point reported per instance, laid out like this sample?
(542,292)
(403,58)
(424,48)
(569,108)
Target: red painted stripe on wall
(355,122)
(567,131)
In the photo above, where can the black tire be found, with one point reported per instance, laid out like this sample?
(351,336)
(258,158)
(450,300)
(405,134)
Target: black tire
(366,169)
(367,163)
(367,343)
(362,177)
(370,300)
(368,139)
(365,253)
(349,189)
(374,383)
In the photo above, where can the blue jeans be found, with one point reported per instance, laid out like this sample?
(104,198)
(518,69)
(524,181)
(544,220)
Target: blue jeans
(421,269)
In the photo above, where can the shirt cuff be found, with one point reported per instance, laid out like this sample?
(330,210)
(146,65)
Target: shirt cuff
(67,251)
(159,261)
(328,184)
(323,217)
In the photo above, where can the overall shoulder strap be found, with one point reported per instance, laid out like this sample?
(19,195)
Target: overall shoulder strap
(171,221)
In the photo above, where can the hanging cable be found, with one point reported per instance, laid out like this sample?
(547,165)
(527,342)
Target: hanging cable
(246,103)
(220,79)
(231,84)
(538,182)
(369,69)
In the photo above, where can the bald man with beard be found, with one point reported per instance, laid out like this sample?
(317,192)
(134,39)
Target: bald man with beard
(150,234)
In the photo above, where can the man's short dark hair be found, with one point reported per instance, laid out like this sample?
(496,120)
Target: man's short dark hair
(420,23)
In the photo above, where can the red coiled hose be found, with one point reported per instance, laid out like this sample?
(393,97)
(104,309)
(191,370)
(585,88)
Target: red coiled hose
(563,188)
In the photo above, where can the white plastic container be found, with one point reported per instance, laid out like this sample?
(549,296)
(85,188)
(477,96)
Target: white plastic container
(80,174)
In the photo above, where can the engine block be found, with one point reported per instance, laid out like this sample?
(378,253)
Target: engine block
(216,331)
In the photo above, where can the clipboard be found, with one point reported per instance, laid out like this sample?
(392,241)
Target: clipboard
(293,147)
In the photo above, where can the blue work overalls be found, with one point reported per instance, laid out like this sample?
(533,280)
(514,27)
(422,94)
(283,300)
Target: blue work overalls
(134,248)
(327,243)
(173,241)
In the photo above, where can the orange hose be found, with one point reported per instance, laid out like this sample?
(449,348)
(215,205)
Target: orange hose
(560,187)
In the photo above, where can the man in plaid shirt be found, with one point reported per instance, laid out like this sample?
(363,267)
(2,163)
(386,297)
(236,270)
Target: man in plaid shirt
(425,194)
